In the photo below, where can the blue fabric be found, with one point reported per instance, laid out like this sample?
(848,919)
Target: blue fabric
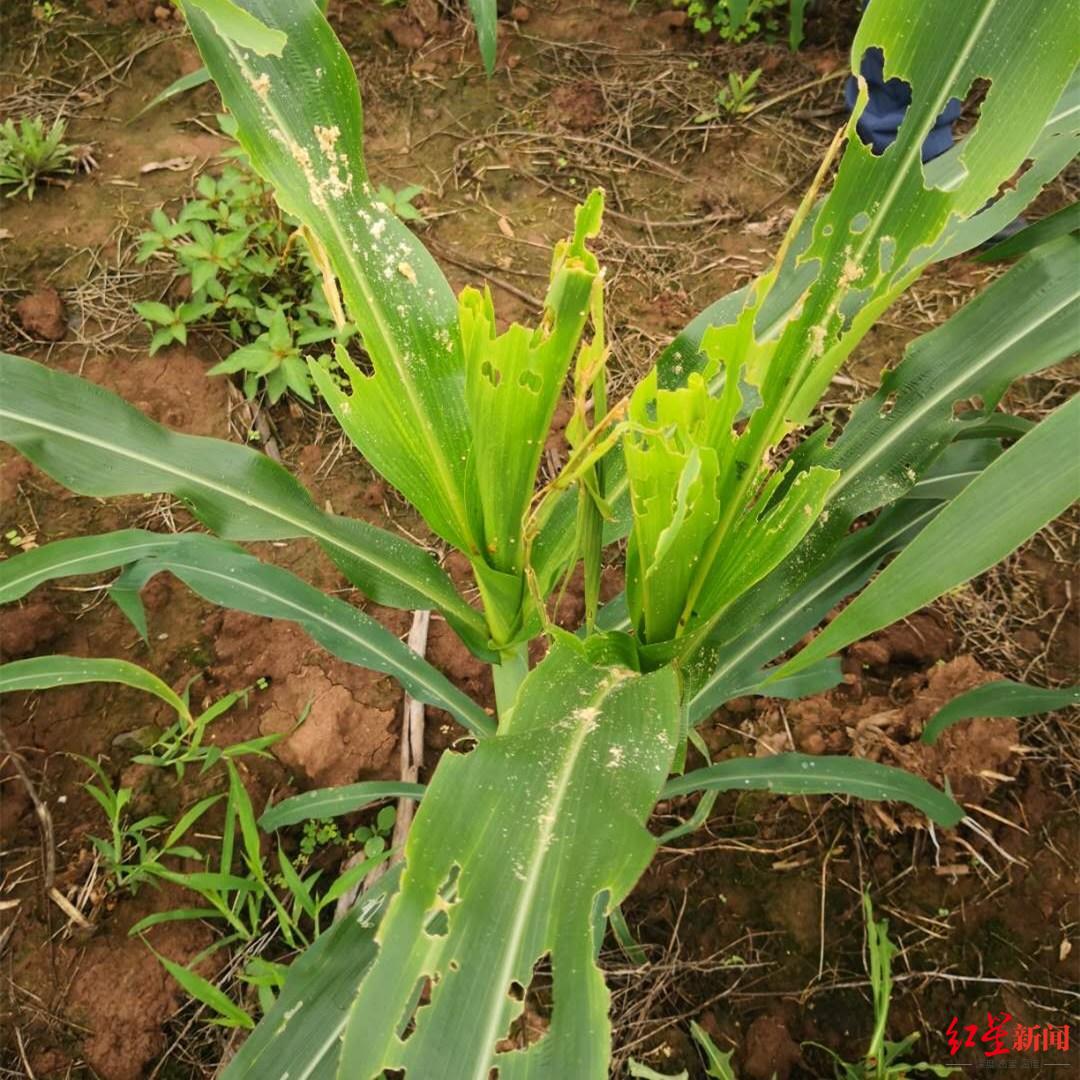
(888,102)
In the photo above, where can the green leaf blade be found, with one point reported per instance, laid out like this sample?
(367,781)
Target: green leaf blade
(94,443)
(567,786)
(1014,497)
(804,774)
(47,672)
(1000,698)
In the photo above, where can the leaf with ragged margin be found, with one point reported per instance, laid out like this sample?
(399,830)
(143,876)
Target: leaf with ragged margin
(554,818)
(298,119)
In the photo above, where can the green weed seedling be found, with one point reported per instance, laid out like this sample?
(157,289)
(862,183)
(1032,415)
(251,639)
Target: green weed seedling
(738,20)
(883,1059)
(182,743)
(734,99)
(250,278)
(29,152)
(134,852)
(373,839)
(400,202)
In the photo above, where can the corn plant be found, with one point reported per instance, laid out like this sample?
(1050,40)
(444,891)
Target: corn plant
(738,527)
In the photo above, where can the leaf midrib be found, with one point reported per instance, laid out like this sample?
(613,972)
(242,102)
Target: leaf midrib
(450,489)
(537,864)
(304,528)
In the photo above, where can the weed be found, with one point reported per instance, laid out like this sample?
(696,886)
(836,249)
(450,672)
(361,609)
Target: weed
(46,13)
(249,277)
(734,99)
(734,20)
(319,834)
(400,202)
(29,152)
(883,1059)
(132,853)
(236,884)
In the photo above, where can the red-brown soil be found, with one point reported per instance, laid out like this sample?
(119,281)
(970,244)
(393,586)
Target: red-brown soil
(733,915)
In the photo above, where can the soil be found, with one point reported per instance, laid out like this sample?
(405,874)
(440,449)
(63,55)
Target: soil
(753,924)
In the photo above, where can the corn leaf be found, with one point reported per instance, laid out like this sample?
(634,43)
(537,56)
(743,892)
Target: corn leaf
(1024,322)
(240,27)
(515,844)
(299,121)
(900,443)
(805,774)
(1056,145)
(300,1036)
(49,672)
(226,574)
(1001,698)
(1014,497)
(333,802)
(21,574)
(1063,222)
(94,443)
(875,230)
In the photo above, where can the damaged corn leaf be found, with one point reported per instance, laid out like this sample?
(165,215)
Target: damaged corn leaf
(513,382)
(510,875)
(1025,322)
(906,434)
(299,120)
(878,227)
(695,546)
(1028,486)
(887,216)
(876,230)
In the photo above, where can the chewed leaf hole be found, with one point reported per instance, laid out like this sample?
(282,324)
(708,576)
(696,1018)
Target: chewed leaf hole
(971,108)
(437,923)
(958,120)
(530,380)
(418,999)
(532,1016)
(1011,184)
(887,104)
